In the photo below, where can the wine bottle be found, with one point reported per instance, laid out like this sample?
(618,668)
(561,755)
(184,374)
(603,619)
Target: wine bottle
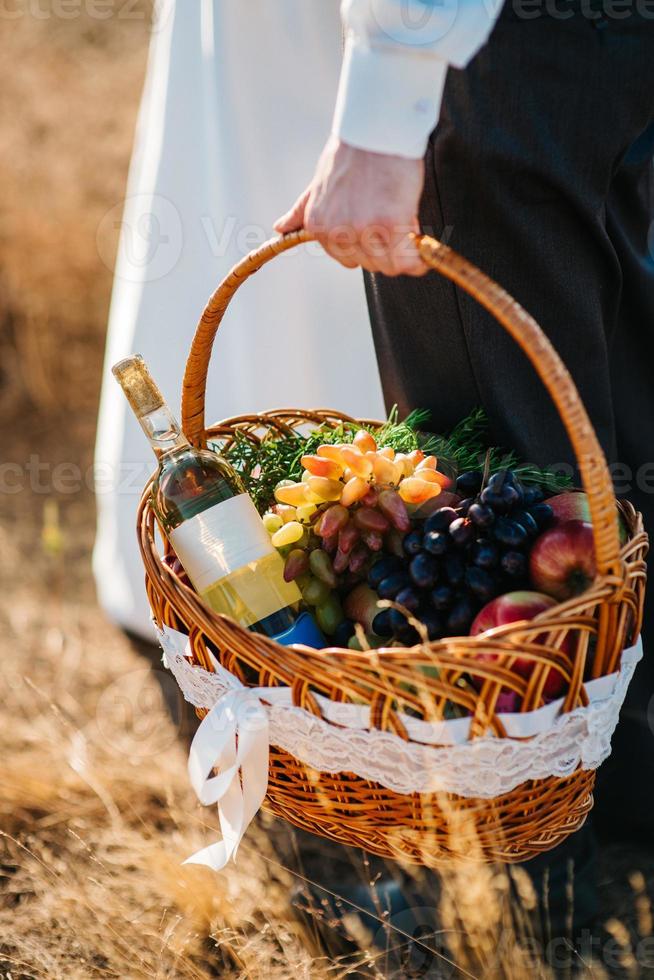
(212,524)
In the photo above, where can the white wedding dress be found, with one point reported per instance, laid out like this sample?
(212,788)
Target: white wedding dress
(236,107)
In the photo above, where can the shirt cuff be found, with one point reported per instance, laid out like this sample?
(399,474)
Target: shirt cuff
(388,99)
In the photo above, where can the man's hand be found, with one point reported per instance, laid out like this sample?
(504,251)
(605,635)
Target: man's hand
(362,207)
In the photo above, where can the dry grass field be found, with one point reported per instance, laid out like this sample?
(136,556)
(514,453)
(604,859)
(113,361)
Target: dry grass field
(95,810)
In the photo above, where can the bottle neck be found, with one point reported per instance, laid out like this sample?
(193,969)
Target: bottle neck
(163,432)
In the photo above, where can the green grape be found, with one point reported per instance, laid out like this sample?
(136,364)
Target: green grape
(316,592)
(329,614)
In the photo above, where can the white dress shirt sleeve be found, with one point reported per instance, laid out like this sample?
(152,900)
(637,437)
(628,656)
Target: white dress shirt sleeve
(397,53)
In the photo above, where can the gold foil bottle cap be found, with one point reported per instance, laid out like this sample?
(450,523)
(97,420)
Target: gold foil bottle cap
(138,384)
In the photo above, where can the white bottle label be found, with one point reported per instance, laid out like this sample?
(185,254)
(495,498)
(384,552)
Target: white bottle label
(220,540)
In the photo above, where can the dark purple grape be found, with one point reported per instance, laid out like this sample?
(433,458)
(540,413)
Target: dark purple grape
(499,480)
(460,619)
(509,532)
(542,514)
(509,497)
(485,554)
(513,481)
(500,500)
(412,543)
(424,570)
(481,515)
(407,635)
(465,505)
(383,567)
(533,495)
(402,629)
(389,587)
(433,623)
(481,583)
(490,498)
(524,518)
(408,597)
(462,531)
(442,597)
(469,482)
(342,633)
(441,519)
(397,620)
(381,624)
(437,542)
(514,563)
(455,569)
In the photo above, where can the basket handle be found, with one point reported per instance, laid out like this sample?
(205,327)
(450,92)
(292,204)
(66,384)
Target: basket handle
(515,320)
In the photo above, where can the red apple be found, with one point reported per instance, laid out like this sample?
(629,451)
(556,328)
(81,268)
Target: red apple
(570,506)
(573,506)
(511,608)
(562,560)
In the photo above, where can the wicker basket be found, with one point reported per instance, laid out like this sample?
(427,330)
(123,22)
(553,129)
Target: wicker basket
(428,829)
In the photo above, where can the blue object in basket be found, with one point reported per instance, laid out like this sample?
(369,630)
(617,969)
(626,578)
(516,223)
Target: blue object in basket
(304,630)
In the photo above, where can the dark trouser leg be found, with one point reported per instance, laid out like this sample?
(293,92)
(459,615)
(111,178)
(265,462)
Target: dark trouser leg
(521,179)
(625,797)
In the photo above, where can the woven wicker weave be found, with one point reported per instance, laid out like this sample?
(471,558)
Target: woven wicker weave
(427,829)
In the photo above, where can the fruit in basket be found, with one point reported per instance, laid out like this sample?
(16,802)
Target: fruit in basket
(316,592)
(378,524)
(324,489)
(414,490)
(469,482)
(394,508)
(570,506)
(322,567)
(424,571)
(460,616)
(272,522)
(459,558)
(332,521)
(296,564)
(329,614)
(574,506)
(509,532)
(355,488)
(289,533)
(293,494)
(362,606)
(562,560)
(512,608)
(365,442)
(514,564)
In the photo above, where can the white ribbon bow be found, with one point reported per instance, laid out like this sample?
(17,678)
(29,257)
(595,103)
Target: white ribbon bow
(233,738)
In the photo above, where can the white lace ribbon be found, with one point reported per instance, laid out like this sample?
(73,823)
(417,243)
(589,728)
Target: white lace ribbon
(235,736)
